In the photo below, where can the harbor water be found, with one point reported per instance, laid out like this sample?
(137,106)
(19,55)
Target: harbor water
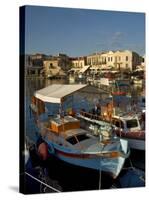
(56,176)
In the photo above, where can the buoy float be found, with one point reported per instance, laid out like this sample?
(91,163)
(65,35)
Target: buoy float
(43,151)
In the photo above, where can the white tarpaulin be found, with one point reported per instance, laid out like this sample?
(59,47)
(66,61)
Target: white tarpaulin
(54,93)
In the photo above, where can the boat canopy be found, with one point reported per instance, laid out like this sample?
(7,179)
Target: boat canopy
(56,92)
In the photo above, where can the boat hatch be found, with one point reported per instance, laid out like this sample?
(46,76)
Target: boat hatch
(133,123)
(75,139)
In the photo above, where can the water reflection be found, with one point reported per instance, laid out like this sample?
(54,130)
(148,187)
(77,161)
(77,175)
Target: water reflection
(31,85)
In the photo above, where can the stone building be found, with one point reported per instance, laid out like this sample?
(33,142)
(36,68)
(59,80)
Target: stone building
(124,60)
(34,71)
(51,68)
(119,60)
(34,65)
(37,59)
(64,61)
(56,65)
(79,66)
(79,62)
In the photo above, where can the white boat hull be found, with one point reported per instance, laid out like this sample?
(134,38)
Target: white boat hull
(136,144)
(112,166)
(97,161)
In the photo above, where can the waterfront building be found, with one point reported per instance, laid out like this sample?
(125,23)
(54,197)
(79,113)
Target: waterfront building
(34,64)
(143,63)
(118,60)
(51,68)
(56,65)
(94,59)
(126,60)
(79,62)
(28,61)
(37,59)
(64,62)
(33,71)
(79,66)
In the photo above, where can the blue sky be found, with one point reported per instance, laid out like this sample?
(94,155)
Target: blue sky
(79,32)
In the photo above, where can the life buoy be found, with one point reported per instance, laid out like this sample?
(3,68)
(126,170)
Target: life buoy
(51,148)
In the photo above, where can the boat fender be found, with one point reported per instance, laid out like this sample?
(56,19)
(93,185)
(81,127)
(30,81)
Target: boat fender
(51,148)
(43,151)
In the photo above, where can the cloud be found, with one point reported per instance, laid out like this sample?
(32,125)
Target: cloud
(117,40)
(112,41)
(118,35)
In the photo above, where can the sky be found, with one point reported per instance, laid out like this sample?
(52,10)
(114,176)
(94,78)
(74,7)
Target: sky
(81,32)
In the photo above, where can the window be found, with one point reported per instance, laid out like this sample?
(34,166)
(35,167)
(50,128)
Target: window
(80,138)
(126,58)
(93,61)
(111,59)
(132,123)
(51,65)
(32,72)
(89,61)
(72,140)
(119,58)
(126,65)
(143,100)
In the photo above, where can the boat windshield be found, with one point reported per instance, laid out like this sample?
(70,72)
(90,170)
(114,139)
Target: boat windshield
(73,140)
(132,123)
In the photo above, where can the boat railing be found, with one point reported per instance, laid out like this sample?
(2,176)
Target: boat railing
(96,116)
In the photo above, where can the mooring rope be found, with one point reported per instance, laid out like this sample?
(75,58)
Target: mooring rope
(42,182)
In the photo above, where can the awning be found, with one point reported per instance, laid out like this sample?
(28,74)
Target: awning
(74,70)
(84,68)
(94,68)
(54,93)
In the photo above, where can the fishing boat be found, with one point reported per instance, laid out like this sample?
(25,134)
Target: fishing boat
(66,139)
(128,126)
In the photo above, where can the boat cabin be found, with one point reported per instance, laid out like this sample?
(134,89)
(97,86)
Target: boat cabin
(127,123)
(58,125)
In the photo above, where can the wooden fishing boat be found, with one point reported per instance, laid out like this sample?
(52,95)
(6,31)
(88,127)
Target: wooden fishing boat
(127,126)
(64,137)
